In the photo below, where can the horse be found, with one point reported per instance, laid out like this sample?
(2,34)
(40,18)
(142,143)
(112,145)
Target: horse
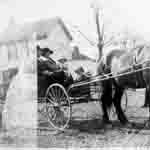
(103,69)
(124,66)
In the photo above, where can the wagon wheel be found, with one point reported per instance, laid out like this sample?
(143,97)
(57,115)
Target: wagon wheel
(58,107)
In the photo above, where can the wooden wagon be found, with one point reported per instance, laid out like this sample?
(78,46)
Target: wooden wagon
(58,100)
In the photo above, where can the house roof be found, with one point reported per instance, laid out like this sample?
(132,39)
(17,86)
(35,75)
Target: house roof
(26,31)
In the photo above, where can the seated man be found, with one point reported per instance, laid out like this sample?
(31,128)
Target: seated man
(48,70)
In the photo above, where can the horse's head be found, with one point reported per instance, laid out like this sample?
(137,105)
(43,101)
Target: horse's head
(104,64)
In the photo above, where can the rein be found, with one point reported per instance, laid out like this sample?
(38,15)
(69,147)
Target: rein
(131,67)
(108,76)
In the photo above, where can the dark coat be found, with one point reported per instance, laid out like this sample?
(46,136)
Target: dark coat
(44,80)
(45,64)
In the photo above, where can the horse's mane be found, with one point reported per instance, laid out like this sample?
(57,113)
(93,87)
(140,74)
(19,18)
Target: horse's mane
(105,61)
(112,53)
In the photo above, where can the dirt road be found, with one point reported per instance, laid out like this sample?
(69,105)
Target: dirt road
(86,129)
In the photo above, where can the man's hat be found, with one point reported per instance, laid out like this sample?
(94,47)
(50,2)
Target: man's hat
(45,49)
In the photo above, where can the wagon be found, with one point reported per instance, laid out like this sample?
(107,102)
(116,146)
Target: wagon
(58,100)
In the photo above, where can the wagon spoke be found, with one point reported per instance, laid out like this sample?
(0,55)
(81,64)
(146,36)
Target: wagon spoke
(53,97)
(57,116)
(51,113)
(59,92)
(58,113)
(50,95)
(56,94)
(62,96)
(53,92)
(51,101)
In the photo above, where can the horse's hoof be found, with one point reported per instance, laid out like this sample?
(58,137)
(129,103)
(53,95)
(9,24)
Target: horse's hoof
(107,124)
(144,106)
(127,125)
(105,121)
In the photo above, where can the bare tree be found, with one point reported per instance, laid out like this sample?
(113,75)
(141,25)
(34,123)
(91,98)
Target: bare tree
(99,27)
(105,39)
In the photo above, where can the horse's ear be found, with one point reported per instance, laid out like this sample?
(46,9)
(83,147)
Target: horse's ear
(104,67)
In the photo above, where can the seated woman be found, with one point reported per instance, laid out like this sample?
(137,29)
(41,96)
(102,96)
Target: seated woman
(83,90)
(82,75)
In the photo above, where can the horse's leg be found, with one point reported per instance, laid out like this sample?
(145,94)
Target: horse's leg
(105,100)
(148,102)
(104,108)
(146,98)
(146,76)
(117,104)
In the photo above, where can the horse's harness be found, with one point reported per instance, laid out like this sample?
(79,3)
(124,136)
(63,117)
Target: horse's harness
(135,67)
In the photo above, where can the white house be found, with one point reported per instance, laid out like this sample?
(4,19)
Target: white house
(19,40)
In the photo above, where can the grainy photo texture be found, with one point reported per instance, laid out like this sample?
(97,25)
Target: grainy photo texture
(74,74)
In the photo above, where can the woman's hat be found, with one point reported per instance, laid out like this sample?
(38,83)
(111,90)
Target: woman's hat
(79,70)
(63,60)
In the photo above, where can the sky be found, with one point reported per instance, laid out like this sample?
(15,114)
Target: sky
(117,14)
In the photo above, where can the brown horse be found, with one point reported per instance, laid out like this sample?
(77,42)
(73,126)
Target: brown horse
(121,63)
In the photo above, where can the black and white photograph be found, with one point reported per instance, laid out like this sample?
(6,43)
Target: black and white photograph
(74,74)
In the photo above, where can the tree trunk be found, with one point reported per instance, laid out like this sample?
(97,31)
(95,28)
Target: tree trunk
(100,36)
